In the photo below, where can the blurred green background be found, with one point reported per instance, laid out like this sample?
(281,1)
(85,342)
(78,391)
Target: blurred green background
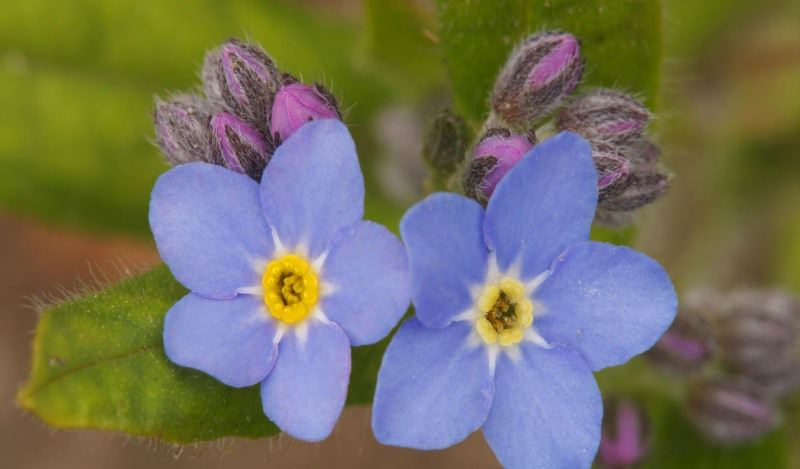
(77,81)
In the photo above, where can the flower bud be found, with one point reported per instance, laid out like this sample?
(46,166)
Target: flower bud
(494,156)
(181,130)
(686,346)
(238,146)
(605,116)
(643,186)
(298,103)
(245,78)
(446,143)
(538,75)
(730,410)
(625,438)
(613,172)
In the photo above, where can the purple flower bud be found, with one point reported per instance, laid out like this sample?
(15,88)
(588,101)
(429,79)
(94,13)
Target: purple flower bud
(538,75)
(643,186)
(730,410)
(613,172)
(238,146)
(245,78)
(298,103)
(181,130)
(686,346)
(210,75)
(625,438)
(605,116)
(759,336)
(494,156)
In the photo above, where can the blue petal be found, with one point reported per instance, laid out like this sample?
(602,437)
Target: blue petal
(447,255)
(232,340)
(609,302)
(305,392)
(368,271)
(547,410)
(313,186)
(433,389)
(208,228)
(543,205)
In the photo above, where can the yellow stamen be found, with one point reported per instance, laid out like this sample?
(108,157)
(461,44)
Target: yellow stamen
(505,312)
(291,288)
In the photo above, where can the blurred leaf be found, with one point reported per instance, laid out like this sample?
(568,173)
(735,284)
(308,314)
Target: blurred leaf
(99,363)
(77,82)
(399,37)
(620,39)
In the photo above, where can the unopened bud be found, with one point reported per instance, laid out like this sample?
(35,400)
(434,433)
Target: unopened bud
(613,173)
(181,129)
(446,143)
(605,116)
(494,156)
(245,78)
(238,146)
(730,410)
(298,103)
(644,185)
(686,346)
(539,74)
(625,438)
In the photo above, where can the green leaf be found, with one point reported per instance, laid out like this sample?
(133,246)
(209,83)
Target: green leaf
(98,362)
(621,42)
(75,123)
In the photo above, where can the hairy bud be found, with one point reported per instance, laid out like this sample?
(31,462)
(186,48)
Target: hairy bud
(446,143)
(494,156)
(605,116)
(730,410)
(238,146)
(244,77)
(686,346)
(539,74)
(298,103)
(625,438)
(181,130)
(613,172)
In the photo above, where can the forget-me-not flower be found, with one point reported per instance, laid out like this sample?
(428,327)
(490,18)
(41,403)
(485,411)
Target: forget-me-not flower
(284,275)
(515,309)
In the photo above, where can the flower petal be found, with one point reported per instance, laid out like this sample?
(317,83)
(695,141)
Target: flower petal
(232,340)
(609,302)
(368,270)
(547,410)
(208,228)
(433,389)
(446,253)
(313,186)
(543,205)
(305,392)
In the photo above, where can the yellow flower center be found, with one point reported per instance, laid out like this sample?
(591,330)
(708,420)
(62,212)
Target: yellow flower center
(505,312)
(291,288)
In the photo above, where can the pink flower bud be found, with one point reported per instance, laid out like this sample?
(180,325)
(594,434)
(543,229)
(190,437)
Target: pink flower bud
(494,156)
(539,74)
(244,78)
(181,129)
(238,146)
(298,103)
(625,438)
(605,116)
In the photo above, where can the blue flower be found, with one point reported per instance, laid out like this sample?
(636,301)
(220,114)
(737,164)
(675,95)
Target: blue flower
(515,309)
(284,276)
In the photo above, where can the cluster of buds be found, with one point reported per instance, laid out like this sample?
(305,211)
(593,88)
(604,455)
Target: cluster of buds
(536,84)
(741,352)
(249,108)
